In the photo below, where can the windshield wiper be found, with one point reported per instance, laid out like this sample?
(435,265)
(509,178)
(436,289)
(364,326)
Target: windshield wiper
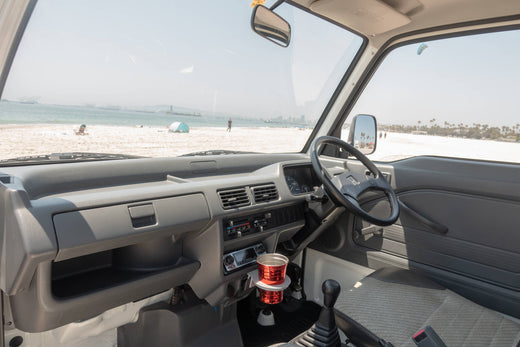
(216,152)
(64,158)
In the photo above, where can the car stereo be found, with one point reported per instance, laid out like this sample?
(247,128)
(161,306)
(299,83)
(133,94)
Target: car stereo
(238,259)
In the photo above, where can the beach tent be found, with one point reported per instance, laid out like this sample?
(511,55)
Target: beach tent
(179,127)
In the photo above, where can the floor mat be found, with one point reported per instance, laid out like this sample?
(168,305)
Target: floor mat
(292,318)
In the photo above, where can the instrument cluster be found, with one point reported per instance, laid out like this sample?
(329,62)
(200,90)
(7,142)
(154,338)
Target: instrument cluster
(300,179)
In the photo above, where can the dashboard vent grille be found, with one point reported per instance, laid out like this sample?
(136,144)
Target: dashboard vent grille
(265,193)
(232,198)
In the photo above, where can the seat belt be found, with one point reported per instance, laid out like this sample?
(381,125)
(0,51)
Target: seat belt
(357,333)
(427,337)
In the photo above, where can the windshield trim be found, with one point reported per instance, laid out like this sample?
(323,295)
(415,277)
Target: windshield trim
(22,25)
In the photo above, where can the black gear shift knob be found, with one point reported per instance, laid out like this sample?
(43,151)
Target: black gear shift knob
(325,332)
(330,289)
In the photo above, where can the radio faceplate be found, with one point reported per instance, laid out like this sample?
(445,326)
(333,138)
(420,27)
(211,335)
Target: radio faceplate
(238,259)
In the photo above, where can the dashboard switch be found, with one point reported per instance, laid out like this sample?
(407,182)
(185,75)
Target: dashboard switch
(228,260)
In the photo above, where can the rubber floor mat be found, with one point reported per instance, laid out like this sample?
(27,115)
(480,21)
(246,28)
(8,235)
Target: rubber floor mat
(292,317)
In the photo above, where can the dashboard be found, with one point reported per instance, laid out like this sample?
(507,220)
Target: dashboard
(87,237)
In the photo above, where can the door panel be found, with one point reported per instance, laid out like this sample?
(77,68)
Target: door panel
(480,240)
(458,216)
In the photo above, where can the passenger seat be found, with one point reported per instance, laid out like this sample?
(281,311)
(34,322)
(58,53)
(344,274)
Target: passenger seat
(394,304)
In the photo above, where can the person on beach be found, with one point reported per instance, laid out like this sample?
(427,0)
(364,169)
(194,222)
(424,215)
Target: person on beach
(82,130)
(229,122)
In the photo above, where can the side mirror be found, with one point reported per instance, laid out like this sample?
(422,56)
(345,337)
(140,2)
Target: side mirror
(363,133)
(271,26)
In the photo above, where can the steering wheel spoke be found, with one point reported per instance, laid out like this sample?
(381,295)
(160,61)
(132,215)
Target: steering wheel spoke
(352,184)
(347,187)
(382,183)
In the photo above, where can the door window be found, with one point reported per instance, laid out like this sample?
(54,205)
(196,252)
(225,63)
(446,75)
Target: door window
(456,97)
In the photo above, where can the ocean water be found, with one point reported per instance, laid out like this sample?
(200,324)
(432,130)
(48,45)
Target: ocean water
(22,113)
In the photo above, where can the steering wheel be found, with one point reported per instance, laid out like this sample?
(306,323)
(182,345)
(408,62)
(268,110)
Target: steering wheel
(346,188)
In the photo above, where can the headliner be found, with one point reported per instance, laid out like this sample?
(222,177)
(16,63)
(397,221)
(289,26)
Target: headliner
(382,20)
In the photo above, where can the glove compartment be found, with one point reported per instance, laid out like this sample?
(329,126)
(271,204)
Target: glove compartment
(108,256)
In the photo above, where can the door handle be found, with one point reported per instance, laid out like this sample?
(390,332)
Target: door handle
(431,225)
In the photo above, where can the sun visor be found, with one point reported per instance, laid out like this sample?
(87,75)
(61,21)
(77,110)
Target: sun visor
(370,17)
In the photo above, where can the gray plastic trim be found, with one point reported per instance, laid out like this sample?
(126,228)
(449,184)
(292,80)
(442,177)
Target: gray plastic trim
(59,212)
(27,238)
(95,230)
(44,180)
(36,310)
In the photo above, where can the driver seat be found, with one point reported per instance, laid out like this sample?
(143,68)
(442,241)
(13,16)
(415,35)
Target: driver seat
(394,304)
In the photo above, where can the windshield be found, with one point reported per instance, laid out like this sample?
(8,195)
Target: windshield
(167,79)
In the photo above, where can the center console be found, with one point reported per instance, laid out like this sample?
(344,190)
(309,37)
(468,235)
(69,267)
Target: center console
(254,224)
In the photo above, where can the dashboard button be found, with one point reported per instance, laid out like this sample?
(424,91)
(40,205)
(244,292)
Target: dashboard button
(228,260)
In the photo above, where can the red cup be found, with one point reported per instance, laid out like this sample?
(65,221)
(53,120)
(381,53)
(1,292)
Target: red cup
(271,298)
(271,268)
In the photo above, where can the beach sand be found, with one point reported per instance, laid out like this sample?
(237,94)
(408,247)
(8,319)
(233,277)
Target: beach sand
(25,140)
(399,146)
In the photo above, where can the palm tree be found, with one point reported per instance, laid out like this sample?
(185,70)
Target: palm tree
(460,127)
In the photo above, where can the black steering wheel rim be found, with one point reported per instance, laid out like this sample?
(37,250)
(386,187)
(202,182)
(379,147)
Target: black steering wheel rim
(350,194)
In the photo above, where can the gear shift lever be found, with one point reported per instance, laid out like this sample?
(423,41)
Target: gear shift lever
(330,289)
(325,332)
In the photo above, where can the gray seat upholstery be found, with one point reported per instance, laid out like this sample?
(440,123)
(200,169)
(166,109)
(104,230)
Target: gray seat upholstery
(394,304)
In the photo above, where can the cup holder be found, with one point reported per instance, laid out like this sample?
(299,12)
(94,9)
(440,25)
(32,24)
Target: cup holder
(270,277)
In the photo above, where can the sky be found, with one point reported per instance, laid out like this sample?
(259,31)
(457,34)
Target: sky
(198,54)
(203,55)
(471,79)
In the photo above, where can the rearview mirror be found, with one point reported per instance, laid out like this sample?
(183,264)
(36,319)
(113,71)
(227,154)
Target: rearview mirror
(271,26)
(363,133)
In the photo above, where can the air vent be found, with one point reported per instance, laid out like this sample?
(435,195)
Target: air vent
(265,193)
(232,198)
